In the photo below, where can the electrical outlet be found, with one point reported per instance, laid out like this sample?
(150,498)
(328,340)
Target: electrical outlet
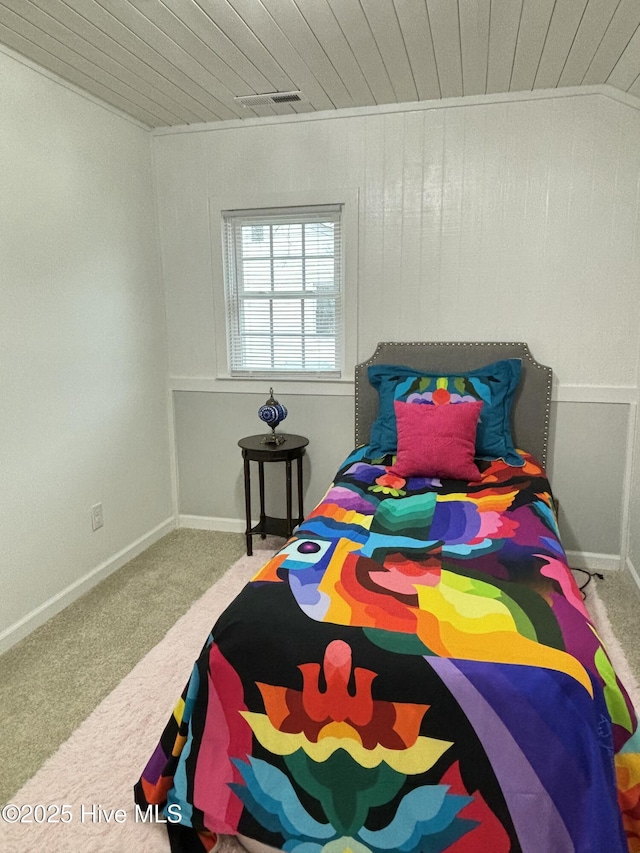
(97,519)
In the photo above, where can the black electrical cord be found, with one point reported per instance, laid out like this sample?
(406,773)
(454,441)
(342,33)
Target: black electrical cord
(588,580)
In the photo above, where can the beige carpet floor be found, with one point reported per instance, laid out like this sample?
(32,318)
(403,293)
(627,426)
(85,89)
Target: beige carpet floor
(94,771)
(621,596)
(53,679)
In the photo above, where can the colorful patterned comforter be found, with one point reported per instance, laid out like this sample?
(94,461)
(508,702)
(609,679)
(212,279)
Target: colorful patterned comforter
(414,671)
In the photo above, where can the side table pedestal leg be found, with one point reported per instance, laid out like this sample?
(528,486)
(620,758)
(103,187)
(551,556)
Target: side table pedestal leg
(247,506)
(300,510)
(289,524)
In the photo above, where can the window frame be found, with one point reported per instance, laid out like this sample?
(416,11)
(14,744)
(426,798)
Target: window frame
(241,290)
(348,199)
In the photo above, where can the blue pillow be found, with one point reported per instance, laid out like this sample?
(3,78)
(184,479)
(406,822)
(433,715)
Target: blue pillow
(495,384)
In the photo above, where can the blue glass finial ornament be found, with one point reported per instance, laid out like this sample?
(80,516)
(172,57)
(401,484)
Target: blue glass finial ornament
(272,413)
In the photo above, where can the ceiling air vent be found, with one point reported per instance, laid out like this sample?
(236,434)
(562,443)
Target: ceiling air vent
(270,99)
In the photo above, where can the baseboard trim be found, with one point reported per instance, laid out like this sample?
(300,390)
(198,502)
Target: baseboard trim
(37,617)
(594,562)
(211,522)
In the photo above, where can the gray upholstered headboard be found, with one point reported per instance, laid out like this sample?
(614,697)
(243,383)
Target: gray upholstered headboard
(530,414)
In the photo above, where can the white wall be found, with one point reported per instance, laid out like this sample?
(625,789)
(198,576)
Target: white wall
(82,346)
(490,220)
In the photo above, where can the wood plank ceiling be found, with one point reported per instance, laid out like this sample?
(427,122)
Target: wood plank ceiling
(175,62)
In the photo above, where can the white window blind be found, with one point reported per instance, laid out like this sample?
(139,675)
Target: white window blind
(284,291)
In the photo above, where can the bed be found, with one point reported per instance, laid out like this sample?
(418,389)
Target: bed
(415,669)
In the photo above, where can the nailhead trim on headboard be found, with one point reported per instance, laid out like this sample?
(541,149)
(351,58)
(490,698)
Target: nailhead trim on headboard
(362,430)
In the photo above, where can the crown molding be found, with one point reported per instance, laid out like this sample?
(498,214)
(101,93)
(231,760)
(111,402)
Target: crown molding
(604,90)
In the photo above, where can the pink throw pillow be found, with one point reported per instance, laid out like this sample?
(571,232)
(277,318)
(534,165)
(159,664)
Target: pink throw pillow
(437,441)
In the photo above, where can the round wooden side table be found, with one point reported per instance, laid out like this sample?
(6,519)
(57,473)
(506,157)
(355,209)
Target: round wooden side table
(255,449)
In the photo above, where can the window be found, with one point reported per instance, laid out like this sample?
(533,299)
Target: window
(284,291)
